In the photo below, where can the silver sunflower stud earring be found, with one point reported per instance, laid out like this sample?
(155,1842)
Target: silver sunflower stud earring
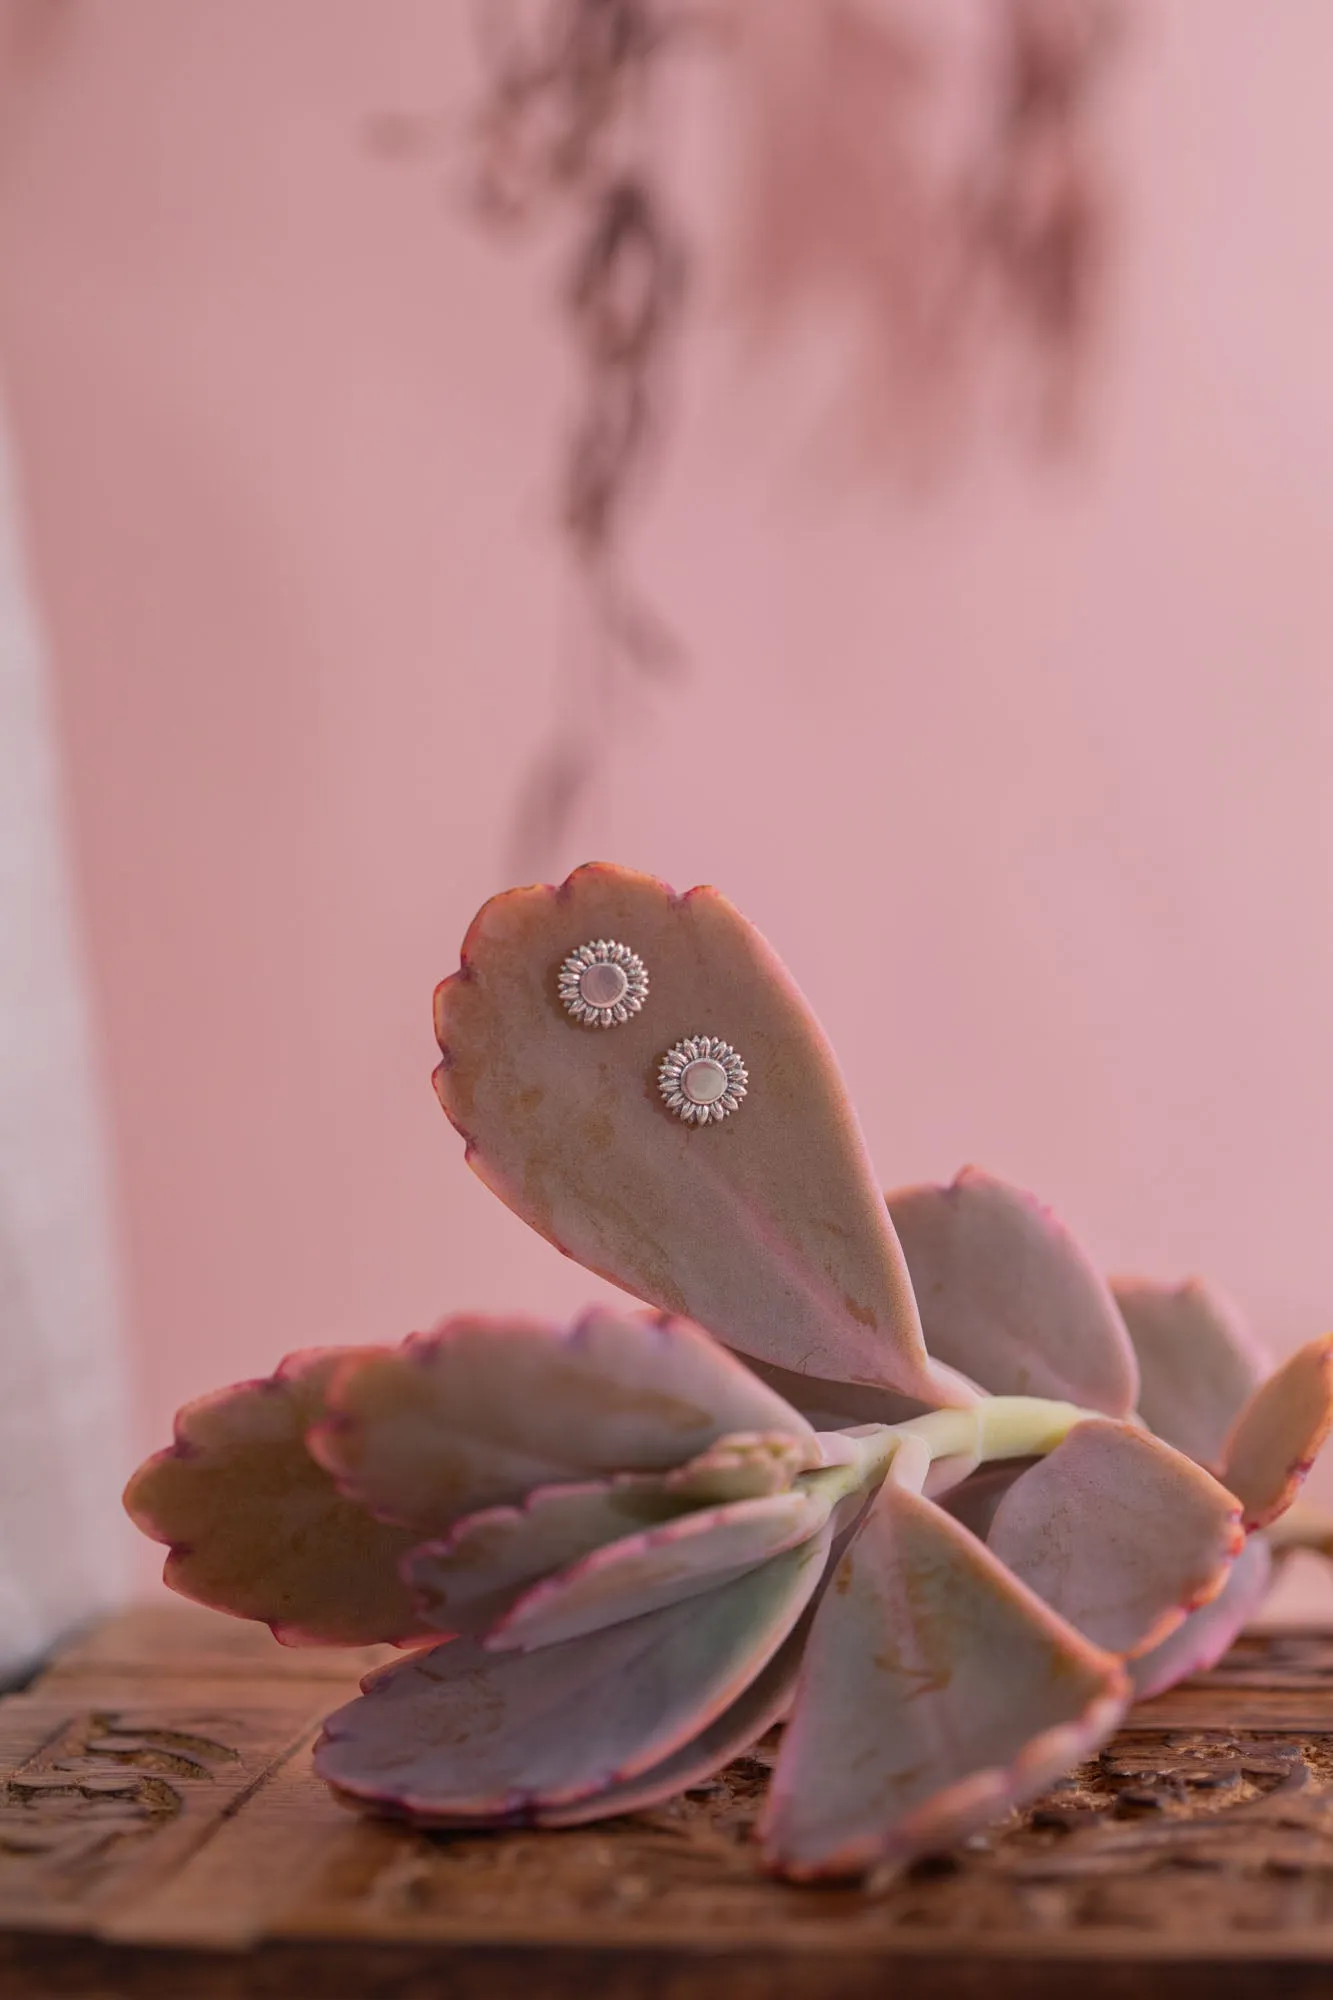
(603,983)
(702,1079)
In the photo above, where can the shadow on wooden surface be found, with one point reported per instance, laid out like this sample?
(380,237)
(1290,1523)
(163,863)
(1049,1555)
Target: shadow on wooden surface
(161,1833)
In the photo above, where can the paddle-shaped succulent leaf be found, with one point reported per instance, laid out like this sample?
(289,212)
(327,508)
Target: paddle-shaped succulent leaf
(1198,1362)
(1205,1635)
(936,1692)
(830,1405)
(460,1734)
(763,1703)
(1276,1436)
(753,1712)
(664,1565)
(1119,1533)
(768,1228)
(976,1499)
(256,1527)
(467,1580)
(482,1411)
(1007,1297)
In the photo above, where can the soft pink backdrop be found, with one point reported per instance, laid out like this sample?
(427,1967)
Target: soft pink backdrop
(1032,790)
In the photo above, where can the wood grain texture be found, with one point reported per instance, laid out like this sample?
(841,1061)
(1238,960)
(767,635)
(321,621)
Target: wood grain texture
(169,1637)
(161,1833)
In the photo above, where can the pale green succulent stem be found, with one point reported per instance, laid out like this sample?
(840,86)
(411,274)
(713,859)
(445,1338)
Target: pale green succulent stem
(997,1427)
(956,1440)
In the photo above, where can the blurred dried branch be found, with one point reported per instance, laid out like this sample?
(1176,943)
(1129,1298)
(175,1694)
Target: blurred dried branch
(934,176)
(1040,212)
(943,189)
(566,126)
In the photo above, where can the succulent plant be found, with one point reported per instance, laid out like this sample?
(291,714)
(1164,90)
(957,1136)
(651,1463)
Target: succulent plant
(906,1472)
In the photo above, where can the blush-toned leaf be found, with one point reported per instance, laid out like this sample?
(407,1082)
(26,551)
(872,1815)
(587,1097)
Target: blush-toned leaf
(975,1499)
(257,1528)
(1277,1434)
(482,1411)
(1118,1532)
(470,1578)
(459,1734)
(936,1692)
(664,1565)
(1008,1298)
(766,1228)
(1206,1634)
(753,1712)
(832,1406)
(1198,1362)
(742,1466)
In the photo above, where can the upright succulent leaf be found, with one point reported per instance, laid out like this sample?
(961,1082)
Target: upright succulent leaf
(1277,1434)
(766,1228)
(1198,1362)
(459,1734)
(257,1528)
(1207,1633)
(482,1411)
(1119,1533)
(1008,1298)
(936,1692)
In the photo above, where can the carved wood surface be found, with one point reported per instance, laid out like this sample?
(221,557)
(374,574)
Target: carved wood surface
(161,1833)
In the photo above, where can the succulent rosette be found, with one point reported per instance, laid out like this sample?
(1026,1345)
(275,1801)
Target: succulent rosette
(908,1473)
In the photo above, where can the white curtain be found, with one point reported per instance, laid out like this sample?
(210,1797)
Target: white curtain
(62,1453)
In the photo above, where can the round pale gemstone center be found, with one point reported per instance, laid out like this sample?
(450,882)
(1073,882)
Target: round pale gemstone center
(603,984)
(704,1081)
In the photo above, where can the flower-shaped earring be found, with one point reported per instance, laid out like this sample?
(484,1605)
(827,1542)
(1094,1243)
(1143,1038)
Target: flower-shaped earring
(702,1079)
(603,983)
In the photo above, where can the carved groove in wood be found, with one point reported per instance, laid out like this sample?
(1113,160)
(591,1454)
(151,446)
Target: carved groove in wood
(178,1815)
(1165,1831)
(1207,1831)
(104,1779)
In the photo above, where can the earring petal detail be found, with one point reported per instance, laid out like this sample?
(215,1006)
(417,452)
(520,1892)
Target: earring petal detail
(603,983)
(702,1080)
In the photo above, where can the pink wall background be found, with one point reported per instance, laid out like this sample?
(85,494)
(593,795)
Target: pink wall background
(1034,791)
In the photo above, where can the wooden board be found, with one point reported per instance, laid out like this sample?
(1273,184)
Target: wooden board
(161,1833)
